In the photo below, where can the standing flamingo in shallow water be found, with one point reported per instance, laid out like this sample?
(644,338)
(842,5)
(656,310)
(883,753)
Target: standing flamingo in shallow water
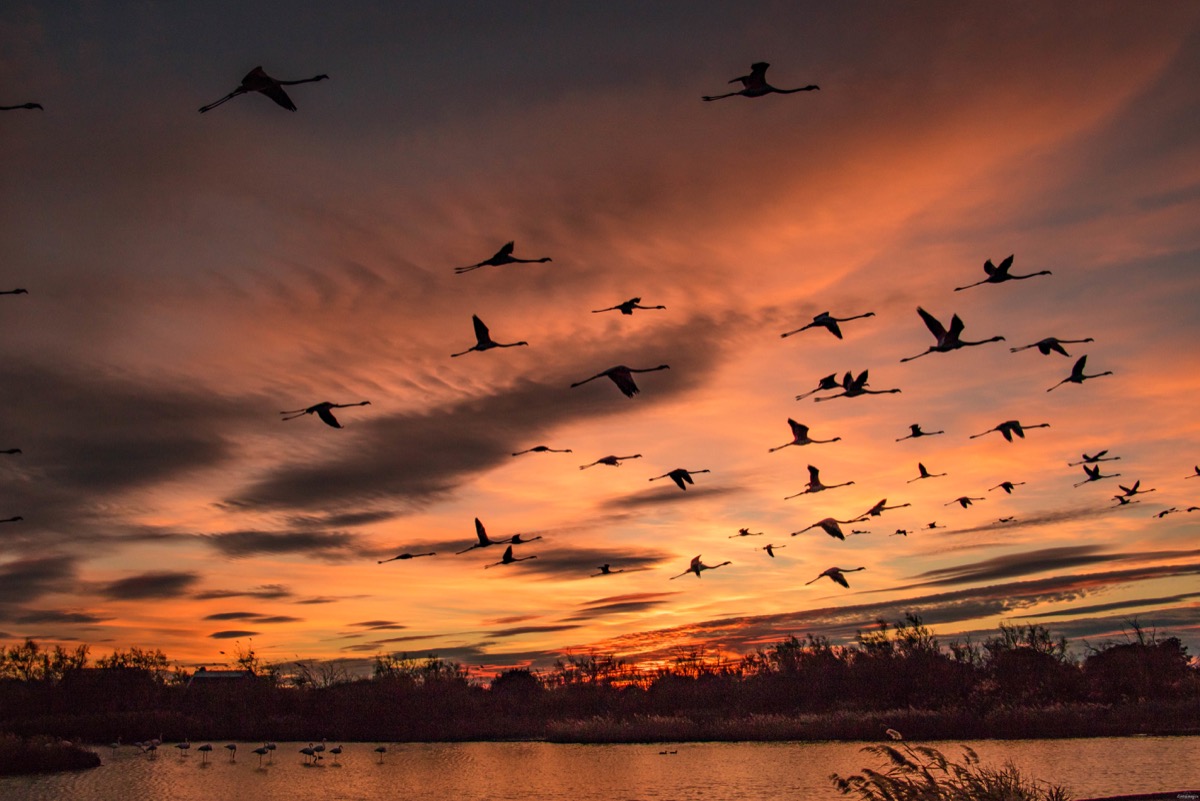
(1045,346)
(829,323)
(1077,376)
(628,306)
(258,81)
(484,341)
(1010,427)
(622,377)
(998,274)
(835,573)
(800,437)
(322,410)
(696,566)
(680,476)
(503,256)
(947,340)
(755,84)
(815,485)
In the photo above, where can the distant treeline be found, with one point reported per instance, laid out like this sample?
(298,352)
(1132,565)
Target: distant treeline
(1020,682)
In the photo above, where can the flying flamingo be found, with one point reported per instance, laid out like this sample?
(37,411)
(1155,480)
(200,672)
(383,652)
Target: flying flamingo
(924,473)
(815,485)
(696,566)
(1007,486)
(484,341)
(508,558)
(611,461)
(962,501)
(543,449)
(947,340)
(503,256)
(745,532)
(800,437)
(770,549)
(900,532)
(322,410)
(406,556)
(1165,512)
(829,526)
(1010,427)
(1045,346)
(1099,457)
(517,539)
(483,542)
(16,519)
(258,81)
(680,476)
(606,570)
(1135,489)
(22,105)
(621,376)
(627,307)
(1006,519)
(915,428)
(11,451)
(1193,475)
(1123,501)
(853,387)
(1077,376)
(878,509)
(835,573)
(829,323)
(1093,474)
(17,291)
(828,382)
(755,84)
(1000,274)
(934,524)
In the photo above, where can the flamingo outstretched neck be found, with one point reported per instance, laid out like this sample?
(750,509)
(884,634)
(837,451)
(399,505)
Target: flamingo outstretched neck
(258,81)
(755,84)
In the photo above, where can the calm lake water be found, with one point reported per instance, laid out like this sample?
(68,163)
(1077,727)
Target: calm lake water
(535,771)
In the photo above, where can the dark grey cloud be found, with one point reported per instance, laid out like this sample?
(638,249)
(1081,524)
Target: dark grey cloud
(231,616)
(232,634)
(263,591)
(1025,563)
(615,604)
(1044,518)
(570,562)
(278,619)
(379,625)
(519,630)
(669,494)
(336,546)
(319,600)
(26,580)
(1112,606)
(58,616)
(153,584)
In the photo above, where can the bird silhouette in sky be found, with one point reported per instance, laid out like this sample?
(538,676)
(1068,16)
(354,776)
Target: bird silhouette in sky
(518,539)
(483,339)
(934,524)
(406,556)
(947,339)
(627,307)
(502,256)
(924,473)
(1136,489)
(815,485)
(543,449)
(680,476)
(745,532)
(16,519)
(323,411)
(1123,501)
(878,509)
(770,549)
(830,526)
(1077,376)
(1007,486)
(17,291)
(508,558)
(483,541)
(622,377)
(900,532)
(998,274)
(1010,427)
(828,322)
(963,501)
(11,451)
(697,566)
(853,387)
(606,570)
(755,84)
(258,81)
(22,105)
(800,437)
(1093,474)
(1193,475)
(835,573)
(916,432)
(611,461)
(1052,344)
(828,382)
(1099,457)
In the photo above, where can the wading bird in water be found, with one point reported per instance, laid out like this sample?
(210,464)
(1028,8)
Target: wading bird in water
(627,307)
(1093,474)
(22,105)
(322,410)
(770,549)
(696,566)
(611,461)
(542,449)
(503,256)
(258,81)
(998,274)
(680,476)
(815,485)
(835,573)
(828,382)
(915,428)
(947,340)
(924,473)
(1045,346)
(622,377)
(406,556)
(829,526)
(483,540)
(1099,457)
(1010,427)
(484,341)
(755,84)
(854,387)
(800,437)
(204,752)
(829,323)
(1007,486)
(1077,376)
(508,558)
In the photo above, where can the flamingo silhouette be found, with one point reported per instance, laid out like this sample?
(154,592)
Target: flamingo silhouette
(815,485)
(962,501)
(517,539)
(934,524)
(854,387)
(381,750)
(11,451)
(627,307)
(483,542)
(483,339)
(680,476)
(828,382)
(508,558)
(543,449)
(770,549)
(22,105)
(1077,376)
(232,749)
(924,473)
(1007,486)
(829,526)
(755,84)
(258,81)
(622,377)
(337,752)
(947,340)
(835,573)
(1123,501)
(606,570)
(1193,475)
(1006,519)
(829,323)
(878,509)
(183,748)
(17,291)
(204,752)
(611,461)
(745,532)
(16,519)
(1135,489)
(1165,512)
(915,428)
(1099,457)
(407,556)
(262,751)
(900,532)
(503,256)
(1045,346)
(1010,427)
(322,410)
(998,274)
(800,437)
(697,566)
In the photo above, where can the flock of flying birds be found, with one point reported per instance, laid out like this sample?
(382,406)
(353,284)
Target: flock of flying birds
(946,339)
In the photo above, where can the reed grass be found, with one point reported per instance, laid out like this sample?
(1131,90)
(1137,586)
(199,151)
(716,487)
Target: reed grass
(19,755)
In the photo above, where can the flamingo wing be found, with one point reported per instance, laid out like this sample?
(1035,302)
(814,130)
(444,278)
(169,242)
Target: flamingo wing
(837,576)
(327,417)
(931,322)
(624,381)
(481,330)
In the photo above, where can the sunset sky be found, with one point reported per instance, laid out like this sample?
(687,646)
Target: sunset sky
(190,276)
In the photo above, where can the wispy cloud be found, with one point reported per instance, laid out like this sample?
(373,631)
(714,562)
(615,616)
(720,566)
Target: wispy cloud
(153,584)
